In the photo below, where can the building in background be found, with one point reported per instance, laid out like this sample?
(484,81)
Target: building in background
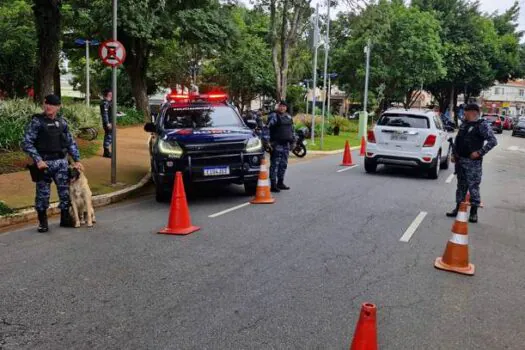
(507,99)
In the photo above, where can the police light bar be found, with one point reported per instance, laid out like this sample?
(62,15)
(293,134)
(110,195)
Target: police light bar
(186,98)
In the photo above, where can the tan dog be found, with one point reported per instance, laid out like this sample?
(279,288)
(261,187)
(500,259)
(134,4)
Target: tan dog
(80,195)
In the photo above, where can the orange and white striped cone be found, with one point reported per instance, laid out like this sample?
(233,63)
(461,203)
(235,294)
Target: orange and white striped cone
(455,257)
(467,200)
(263,194)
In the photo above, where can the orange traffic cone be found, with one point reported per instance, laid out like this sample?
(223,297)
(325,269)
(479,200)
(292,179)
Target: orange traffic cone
(365,336)
(263,195)
(467,200)
(179,222)
(347,156)
(363,147)
(455,258)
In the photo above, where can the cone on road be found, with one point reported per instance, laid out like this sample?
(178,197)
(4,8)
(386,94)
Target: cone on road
(363,147)
(263,195)
(455,257)
(347,156)
(365,336)
(467,200)
(179,221)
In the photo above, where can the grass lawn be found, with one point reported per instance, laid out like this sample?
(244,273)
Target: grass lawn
(332,143)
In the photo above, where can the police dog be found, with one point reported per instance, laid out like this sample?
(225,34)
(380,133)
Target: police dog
(81,210)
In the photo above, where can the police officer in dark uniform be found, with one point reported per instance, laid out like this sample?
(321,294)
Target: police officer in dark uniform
(475,138)
(48,141)
(280,124)
(107,120)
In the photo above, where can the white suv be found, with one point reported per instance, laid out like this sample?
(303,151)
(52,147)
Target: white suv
(409,138)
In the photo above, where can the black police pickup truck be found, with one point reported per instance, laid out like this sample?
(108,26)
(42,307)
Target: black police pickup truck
(205,138)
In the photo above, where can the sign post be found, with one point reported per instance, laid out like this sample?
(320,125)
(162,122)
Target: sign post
(113,54)
(87,43)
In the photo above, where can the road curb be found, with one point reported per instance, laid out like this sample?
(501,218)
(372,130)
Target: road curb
(337,151)
(98,201)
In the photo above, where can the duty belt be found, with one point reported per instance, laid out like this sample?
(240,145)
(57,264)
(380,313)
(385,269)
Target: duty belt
(53,156)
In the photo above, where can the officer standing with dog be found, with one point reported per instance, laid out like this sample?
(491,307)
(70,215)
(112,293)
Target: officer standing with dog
(280,124)
(474,140)
(47,141)
(107,120)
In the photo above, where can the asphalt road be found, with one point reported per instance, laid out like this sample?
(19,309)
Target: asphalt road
(291,275)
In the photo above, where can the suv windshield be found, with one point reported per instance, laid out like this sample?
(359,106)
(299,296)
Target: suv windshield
(205,116)
(404,121)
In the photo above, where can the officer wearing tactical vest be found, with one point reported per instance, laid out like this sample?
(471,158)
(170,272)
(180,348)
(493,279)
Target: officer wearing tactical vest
(475,138)
(281,128)
(48,141)
(107,120)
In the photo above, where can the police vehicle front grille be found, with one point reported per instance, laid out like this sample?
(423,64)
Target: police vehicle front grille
(215,148)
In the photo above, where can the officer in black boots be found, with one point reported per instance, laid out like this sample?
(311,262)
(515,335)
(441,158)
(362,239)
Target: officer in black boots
(107,120)
(281,128)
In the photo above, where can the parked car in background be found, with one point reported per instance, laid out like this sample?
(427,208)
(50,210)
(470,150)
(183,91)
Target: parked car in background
(409,138)
(519,127)
(495,121)
(508,123)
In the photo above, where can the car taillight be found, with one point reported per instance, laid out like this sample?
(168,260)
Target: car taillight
(498,121)
(430,141)
(371,137)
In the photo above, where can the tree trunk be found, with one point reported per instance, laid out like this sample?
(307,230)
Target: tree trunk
(47,23)
(136,65)
(56,80)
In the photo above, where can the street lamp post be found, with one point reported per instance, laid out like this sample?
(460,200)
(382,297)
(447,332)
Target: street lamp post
(326,52)
(114,105)
(363,118)
(314,86)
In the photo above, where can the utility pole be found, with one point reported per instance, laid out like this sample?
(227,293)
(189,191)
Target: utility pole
(87,73)
(329,94)
(307,89)
(114,105)
(363,118)
(326,52)
(316,46)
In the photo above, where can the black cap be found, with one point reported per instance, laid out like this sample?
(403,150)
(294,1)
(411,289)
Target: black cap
(472,107)
(283,103)
(106,91)
(53,100)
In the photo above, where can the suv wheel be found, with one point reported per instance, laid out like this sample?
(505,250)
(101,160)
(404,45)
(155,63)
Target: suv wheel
(370,166)
(250,188)
(446,162)
(161,195)
(433,172)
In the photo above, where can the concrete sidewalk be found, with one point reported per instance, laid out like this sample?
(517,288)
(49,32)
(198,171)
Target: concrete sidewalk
(17,190)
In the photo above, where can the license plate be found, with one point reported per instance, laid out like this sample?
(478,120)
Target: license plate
(217,171)
(399,137)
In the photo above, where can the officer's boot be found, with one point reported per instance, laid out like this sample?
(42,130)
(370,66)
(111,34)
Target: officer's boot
(42,221)
(282,186)
(275,188)
(107,153)
(65,218)
(473,214)
(453,213)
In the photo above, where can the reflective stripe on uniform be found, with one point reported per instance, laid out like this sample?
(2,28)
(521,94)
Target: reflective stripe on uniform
(459,239)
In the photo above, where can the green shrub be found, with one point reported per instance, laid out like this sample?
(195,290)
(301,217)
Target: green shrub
(131,117)
(4,209)
(15,114)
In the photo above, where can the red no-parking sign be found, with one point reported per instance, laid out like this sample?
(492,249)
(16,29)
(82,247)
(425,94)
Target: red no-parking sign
(112,53)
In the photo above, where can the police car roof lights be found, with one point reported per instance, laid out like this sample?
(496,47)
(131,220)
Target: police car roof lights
(189,98)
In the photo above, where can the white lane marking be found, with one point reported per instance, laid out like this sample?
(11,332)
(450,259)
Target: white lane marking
(450,178)
(513,148)
(413,227)
(348,168)
(229,210)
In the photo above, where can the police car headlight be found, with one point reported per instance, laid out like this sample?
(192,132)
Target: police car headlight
(170,148)
(254,145)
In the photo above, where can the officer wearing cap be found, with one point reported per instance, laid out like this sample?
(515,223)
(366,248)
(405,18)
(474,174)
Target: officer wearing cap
(474,140)
(48,141)
(280,124)
(107,120)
